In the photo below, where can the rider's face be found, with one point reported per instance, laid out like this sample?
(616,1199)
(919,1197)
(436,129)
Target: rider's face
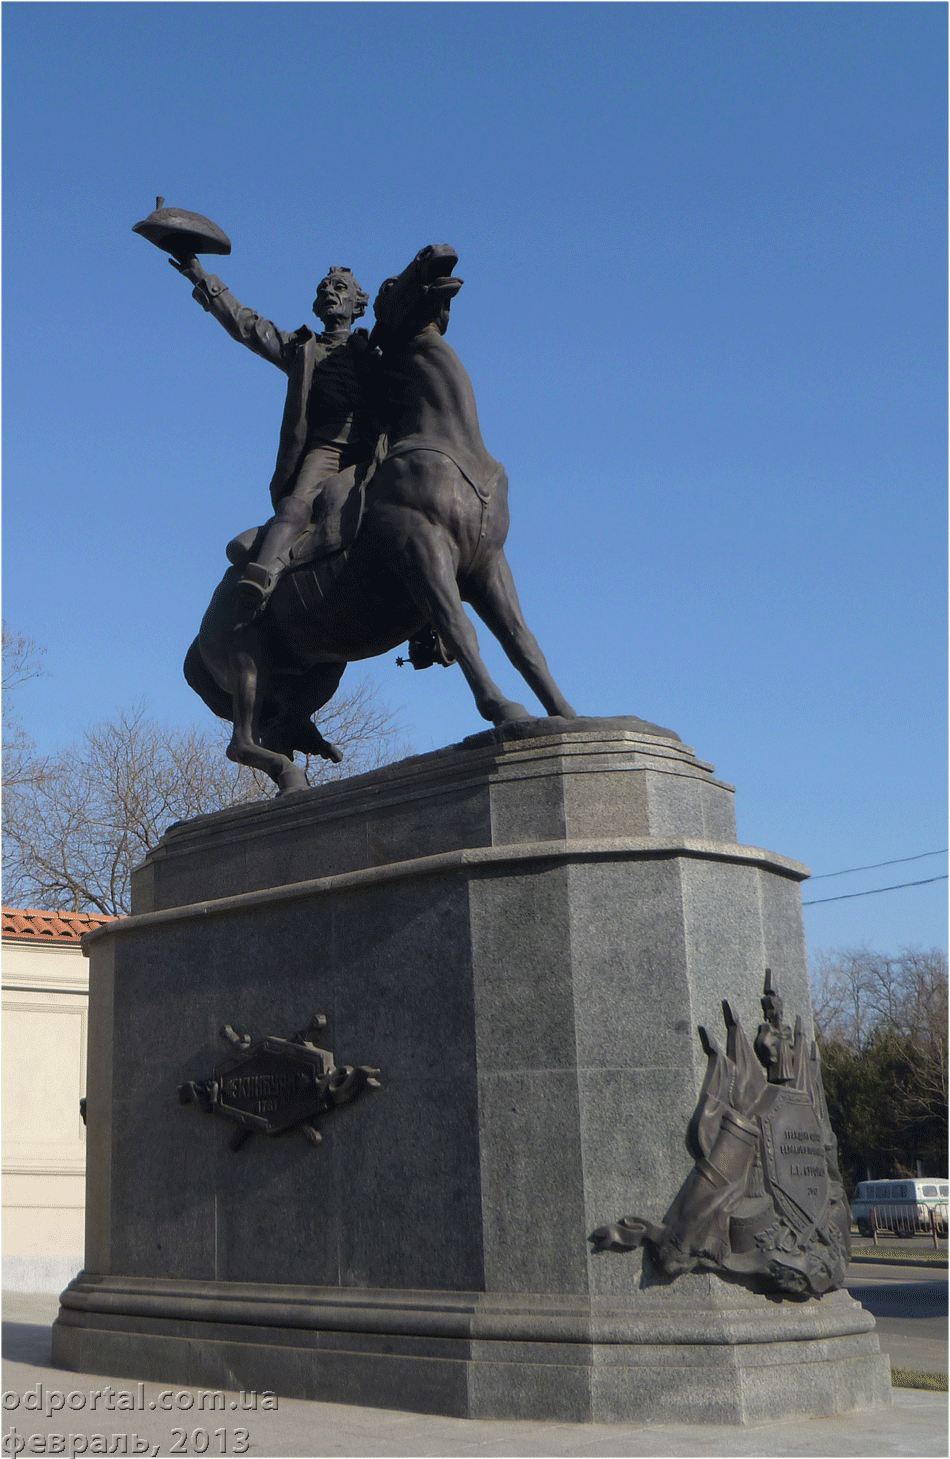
(335,304)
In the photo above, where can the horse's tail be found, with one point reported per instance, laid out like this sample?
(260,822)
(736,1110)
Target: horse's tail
(199,678)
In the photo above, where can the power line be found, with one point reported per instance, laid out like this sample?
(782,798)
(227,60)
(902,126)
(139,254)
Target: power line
(846,897)
(875,865)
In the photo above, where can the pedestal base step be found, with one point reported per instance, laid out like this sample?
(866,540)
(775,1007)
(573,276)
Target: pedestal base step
(475,1355)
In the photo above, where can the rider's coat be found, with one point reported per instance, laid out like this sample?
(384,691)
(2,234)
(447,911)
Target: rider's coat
(329,391)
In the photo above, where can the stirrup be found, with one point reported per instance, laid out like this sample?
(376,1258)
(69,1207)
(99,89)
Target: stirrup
(255,586)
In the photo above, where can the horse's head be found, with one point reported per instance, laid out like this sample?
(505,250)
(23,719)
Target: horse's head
(419,296)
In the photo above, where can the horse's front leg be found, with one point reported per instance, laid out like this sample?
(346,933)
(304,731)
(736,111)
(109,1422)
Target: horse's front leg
(297,697)
(426,558)
(248,675)
(493,595)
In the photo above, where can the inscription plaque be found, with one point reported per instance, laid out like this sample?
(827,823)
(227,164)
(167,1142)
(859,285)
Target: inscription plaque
(276,1084)
(795,1165)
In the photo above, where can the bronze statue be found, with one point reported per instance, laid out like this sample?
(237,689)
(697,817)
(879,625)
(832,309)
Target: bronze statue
(328,430)
(395,544)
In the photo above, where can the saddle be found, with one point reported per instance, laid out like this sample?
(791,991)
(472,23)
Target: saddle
(334,522)
(335,519)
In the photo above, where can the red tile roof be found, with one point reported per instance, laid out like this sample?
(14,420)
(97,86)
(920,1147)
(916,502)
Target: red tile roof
(49,926)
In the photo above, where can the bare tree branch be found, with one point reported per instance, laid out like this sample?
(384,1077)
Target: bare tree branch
(21,662)
(882,1025)
(74,833)
(21,657)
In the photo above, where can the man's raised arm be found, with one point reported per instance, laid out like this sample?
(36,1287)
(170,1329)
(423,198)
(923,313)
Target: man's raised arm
(242,324)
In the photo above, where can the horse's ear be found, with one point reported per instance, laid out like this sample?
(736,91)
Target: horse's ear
(386,284)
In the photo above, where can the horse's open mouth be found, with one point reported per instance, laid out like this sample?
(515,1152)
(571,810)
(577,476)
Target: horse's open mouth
(439,268)
(445,284)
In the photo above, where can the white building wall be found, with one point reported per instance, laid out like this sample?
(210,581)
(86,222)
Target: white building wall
(45,1002)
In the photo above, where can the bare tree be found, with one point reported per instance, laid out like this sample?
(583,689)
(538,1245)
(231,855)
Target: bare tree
(75,829)
(923,1022)
(882,1026)
(21,657)
(363,727)
(858,992)
(22,764)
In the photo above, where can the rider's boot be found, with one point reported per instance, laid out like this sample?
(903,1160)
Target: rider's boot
(260,577)
(256,585)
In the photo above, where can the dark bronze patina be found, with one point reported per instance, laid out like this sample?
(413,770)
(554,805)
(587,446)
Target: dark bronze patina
(182,234)
(765,1199)
(409,524)
(426,649)
(275,1085)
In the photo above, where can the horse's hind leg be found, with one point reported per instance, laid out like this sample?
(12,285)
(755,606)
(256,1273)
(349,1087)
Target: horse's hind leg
(495,599)
(199,677)
(427,567)
(249,686)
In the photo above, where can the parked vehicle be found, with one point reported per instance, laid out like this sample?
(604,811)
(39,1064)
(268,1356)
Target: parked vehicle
(901,1206)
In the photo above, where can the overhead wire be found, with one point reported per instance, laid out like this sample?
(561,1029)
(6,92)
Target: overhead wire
(846,896)
(876,865)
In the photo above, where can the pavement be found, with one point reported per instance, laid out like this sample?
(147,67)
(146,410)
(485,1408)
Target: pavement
(911,1327)
(910,1308)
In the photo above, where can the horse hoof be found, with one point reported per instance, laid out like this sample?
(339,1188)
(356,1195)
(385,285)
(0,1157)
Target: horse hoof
(509,711)
(294,778)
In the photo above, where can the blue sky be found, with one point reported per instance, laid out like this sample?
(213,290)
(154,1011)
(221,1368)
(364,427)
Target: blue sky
(704,249)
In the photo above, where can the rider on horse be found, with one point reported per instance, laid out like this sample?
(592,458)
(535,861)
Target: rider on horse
(329,430)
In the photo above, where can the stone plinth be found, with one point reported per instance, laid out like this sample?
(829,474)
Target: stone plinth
(522,934)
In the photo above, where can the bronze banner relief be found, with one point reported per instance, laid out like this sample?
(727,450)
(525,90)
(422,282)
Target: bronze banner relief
(765,1199)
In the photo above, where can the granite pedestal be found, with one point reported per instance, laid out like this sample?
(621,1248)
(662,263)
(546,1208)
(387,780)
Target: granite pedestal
(522,934)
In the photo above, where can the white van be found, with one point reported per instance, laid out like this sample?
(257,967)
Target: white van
(901,1206)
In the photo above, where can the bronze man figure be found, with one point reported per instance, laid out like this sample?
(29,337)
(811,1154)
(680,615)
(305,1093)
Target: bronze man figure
(328,431)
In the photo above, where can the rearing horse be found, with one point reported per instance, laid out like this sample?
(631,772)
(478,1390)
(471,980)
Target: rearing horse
(431,537)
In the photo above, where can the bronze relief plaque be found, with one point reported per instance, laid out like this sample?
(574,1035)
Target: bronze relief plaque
(275,1084)
(765,1199)
(795,1162)
(272,1087)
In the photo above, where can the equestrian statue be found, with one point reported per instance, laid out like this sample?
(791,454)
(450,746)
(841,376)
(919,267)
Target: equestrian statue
(389,513)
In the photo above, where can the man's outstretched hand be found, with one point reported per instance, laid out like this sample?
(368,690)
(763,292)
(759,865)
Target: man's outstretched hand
(190,267)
